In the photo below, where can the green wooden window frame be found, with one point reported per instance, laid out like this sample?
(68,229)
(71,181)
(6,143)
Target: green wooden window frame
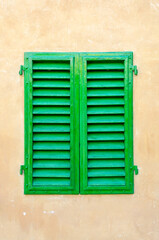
(78,123)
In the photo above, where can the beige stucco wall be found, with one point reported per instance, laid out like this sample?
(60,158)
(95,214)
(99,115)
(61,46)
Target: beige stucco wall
(80,25)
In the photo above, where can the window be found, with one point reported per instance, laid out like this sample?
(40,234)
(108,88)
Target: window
(78,123)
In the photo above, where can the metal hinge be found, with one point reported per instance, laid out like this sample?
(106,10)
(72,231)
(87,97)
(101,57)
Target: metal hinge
(22,168)
(22,69)
(135,169)
(135,70)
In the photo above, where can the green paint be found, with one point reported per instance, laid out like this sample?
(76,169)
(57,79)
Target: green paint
(51,124)
(59,87)
(106,152)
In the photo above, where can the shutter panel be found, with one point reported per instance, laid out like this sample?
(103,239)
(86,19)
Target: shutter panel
(51,124)
(106,124)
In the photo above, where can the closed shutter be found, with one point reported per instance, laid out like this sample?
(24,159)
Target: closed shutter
(106,124)
(58,133)
(51,124)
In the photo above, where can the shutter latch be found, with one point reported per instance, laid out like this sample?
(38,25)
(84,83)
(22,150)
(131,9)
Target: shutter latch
(135,70)
(22,69)
(22,168)
(135,169)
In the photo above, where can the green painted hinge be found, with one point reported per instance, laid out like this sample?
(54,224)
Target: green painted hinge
(22,69)
(22,168)
(135,169)
(135,70)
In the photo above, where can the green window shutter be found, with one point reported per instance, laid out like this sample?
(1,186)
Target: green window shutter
(106,123)
(51,124)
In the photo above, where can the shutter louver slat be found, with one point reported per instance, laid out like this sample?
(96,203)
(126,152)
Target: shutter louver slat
(51,110)
(45,181)
(60,119)
(103,65)
(106,119)
(51,65)
(96,145)
(105,101)
(106,128)
(51,92)
(105,92)
(51,173)
(52,84)
(105,136)
(104,74)
(105,110)
(51,146)
(51,163)
(106,172)
(109,181)
(107,84)
(38,101)
(51,74)
(51,137)
(99,163)
(56,154)
(51,128)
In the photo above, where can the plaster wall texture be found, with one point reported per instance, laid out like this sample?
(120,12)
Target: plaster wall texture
(79,25)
